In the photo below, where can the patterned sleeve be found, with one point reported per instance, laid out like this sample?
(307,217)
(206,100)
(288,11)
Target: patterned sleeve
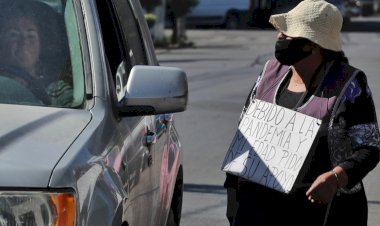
(356,118)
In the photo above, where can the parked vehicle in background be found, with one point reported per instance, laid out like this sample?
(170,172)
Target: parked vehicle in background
(106,153)
(367,7)
(229,14)
(346,8)
(233,14)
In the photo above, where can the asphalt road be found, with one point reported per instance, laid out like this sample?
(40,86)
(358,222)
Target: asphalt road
(221,69)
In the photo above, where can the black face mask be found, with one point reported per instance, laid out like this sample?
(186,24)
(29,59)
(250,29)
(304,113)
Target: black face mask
(290,51)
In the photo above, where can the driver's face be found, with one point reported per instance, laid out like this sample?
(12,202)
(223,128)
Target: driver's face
(20,44)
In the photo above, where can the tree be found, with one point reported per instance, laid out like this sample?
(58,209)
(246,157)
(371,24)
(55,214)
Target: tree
(177,10)
(261,10)
(149,5)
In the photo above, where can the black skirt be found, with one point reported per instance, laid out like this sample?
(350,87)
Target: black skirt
(261,206)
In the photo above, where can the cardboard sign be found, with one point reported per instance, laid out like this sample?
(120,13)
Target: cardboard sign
(271,145)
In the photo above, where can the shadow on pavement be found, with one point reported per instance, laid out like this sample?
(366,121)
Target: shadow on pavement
(205,188)
(373,202)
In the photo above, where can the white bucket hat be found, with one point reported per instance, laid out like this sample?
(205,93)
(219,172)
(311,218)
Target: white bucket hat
(316,20)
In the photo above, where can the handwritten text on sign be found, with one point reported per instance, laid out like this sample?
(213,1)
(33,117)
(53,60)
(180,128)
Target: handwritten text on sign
(271,145)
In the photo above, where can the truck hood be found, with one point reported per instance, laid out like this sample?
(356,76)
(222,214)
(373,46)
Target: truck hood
(33,139)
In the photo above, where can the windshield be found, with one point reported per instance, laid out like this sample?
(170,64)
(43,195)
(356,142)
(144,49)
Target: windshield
(40,57)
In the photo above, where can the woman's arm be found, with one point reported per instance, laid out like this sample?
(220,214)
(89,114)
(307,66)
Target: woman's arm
(362,128)
(355,122)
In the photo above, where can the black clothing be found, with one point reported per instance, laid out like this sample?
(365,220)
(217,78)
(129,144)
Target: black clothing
(259,205)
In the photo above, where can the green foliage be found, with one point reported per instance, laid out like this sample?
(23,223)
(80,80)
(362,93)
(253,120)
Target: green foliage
(150,19)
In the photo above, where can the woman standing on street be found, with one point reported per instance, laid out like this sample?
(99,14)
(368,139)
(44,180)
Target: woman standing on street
(311,75)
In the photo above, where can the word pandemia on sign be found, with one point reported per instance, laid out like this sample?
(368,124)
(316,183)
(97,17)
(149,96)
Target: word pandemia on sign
(271,145)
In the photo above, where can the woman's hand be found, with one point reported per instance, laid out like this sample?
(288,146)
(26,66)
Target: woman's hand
(326,186)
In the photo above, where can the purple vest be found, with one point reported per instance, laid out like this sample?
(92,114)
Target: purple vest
(318,106)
